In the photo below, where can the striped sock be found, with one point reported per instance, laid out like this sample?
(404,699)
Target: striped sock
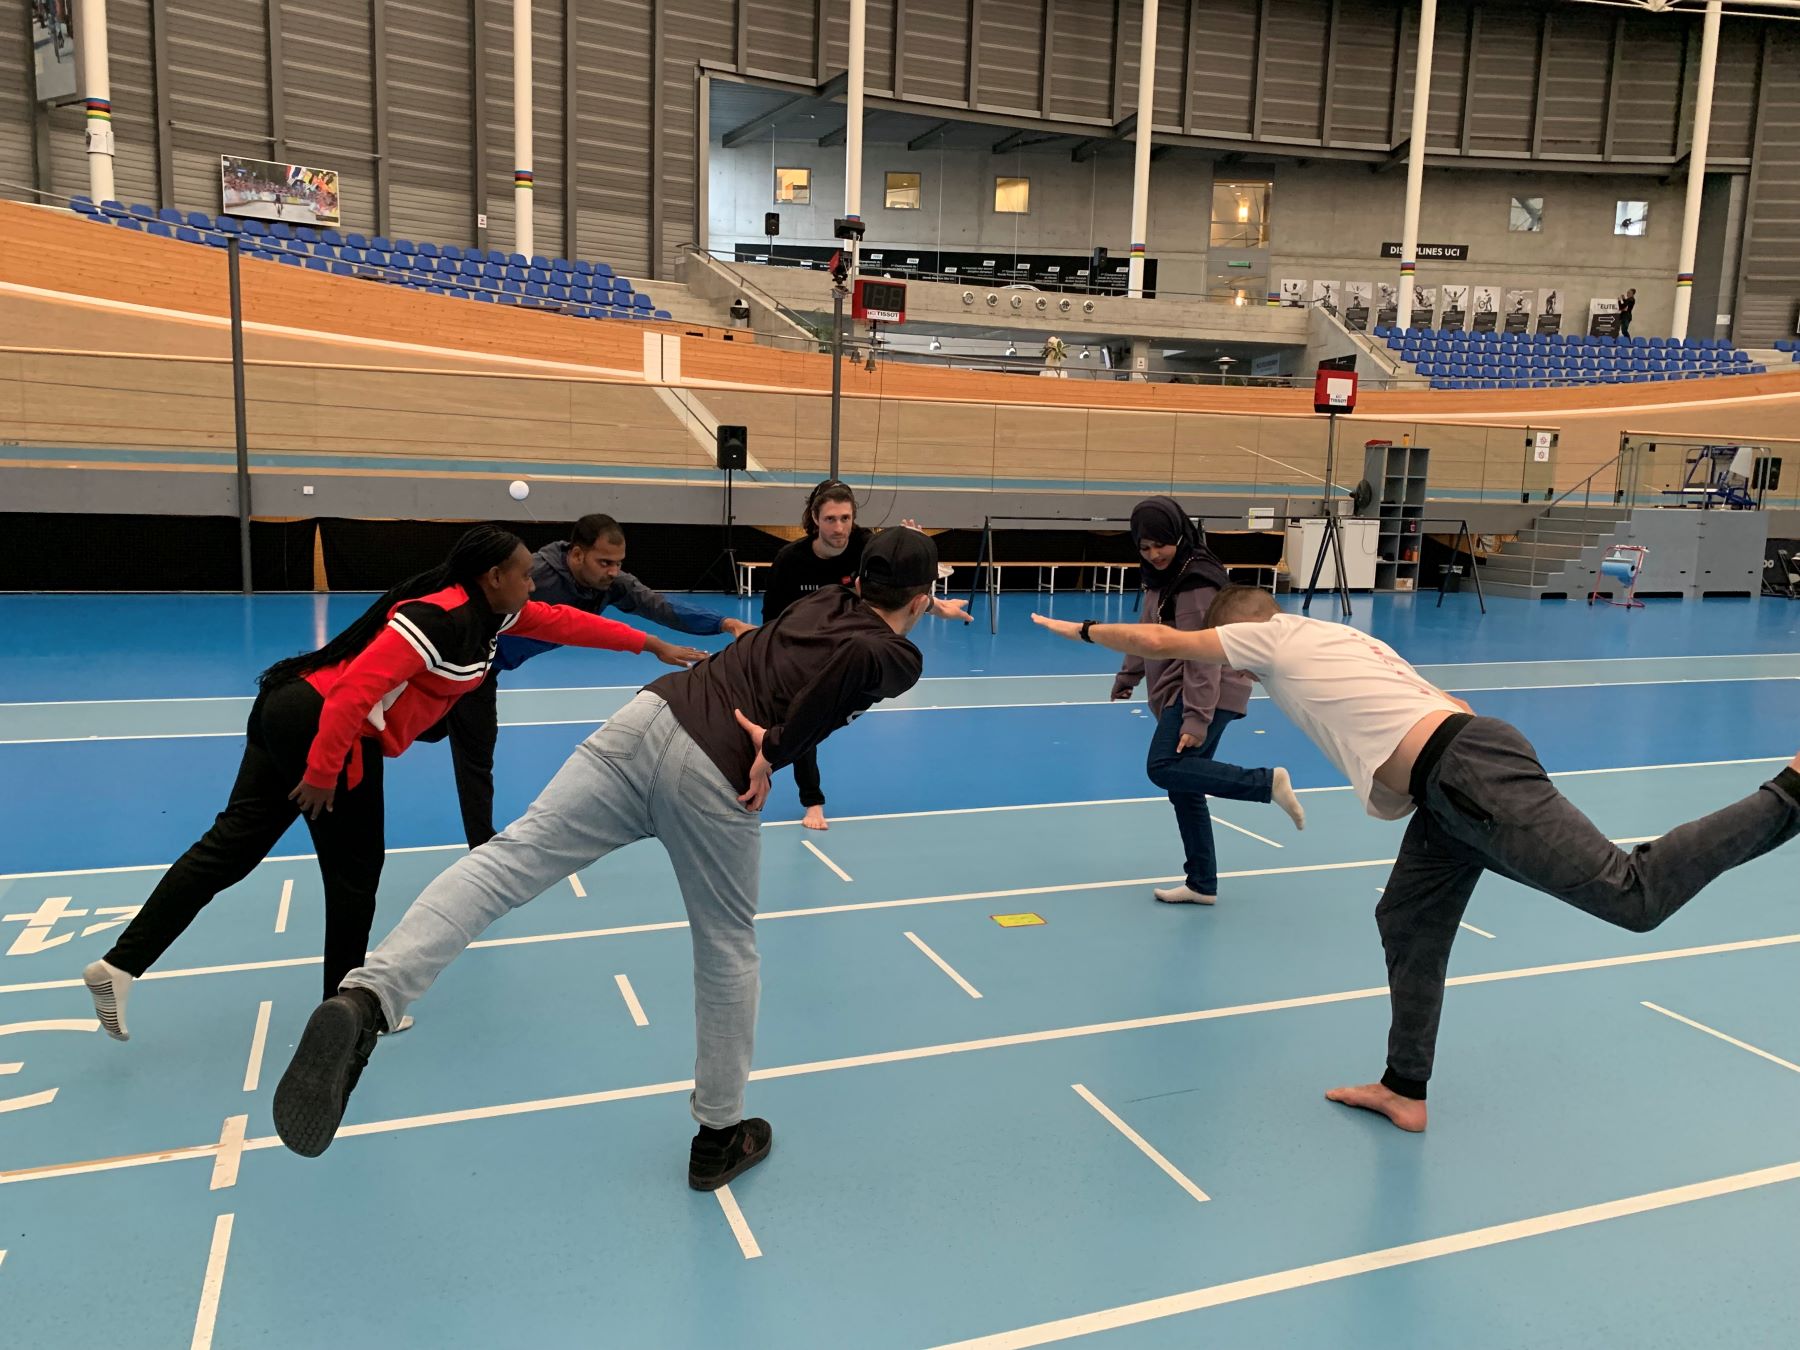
(110,987)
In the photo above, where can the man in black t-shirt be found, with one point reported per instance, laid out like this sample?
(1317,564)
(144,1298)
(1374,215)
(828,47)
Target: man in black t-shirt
(1627,303)
(830,554)
(688,761)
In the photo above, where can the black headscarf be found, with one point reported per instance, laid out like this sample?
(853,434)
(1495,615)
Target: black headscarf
(1162,521)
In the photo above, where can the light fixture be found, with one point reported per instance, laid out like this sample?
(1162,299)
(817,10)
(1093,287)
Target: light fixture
(1011,350)
(936,346)
(1238,300)
(1243,212)
(1085,354)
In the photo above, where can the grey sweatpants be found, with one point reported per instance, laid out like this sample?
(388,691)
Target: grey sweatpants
(1489,806)
(638,777)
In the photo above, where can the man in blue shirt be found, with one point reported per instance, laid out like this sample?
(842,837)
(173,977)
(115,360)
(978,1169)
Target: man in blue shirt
(584,571)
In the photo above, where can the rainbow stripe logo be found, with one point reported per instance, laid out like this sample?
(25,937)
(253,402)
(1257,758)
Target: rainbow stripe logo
(1684,278)
(1274,299)
(1408,268)
(1137,250)
(99,110)
(522,179)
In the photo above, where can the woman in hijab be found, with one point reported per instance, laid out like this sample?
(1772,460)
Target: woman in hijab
(1193,703)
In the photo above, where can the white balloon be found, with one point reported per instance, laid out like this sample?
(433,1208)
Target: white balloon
(519,489)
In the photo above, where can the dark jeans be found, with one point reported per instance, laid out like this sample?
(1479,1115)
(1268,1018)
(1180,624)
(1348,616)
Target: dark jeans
(473,724)
(348,838)
(1190,778)
(806,778)
(1489,806)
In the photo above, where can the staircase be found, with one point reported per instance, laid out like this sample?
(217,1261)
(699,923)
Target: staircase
(1557,557)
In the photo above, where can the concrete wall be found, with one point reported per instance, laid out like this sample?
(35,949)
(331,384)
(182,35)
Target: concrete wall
(1074,206)
(1329,221)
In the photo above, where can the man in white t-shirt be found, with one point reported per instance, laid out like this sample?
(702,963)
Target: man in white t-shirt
(1478,797)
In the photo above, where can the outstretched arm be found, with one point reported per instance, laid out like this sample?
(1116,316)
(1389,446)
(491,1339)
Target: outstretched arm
(1144,639)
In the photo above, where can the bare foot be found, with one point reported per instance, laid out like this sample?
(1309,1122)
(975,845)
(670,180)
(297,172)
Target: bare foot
(1405,1112)
(1281,792)
(815,819)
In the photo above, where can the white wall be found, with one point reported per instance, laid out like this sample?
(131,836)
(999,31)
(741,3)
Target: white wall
(1328,222)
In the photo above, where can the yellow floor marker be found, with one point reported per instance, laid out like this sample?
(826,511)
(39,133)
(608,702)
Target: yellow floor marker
(1016,920)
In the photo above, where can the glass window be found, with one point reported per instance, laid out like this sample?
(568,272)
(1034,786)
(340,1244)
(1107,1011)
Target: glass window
(1527,215)
(1240,214)
(1631,217)
(902,192)
(793,187)
(1012,196)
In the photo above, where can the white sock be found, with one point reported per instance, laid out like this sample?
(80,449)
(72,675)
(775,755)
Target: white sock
(1281,792)
(110,987)
(1184,895)
(406,1024)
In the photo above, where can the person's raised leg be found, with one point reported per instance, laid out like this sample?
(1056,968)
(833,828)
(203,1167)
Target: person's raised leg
(1174,770)
(715,845)
(1491,793)
(596,803)
(1193,820)
(255,817)
(1420,908)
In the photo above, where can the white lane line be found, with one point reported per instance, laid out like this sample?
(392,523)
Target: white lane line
(575,1100)
(1479,932)
(901,815)
(258,1039)
(1220,820)
(746,1240)
(1729,1040)
(819,853)
(281,911)
(632,1005)
(944,966)
(1236,1291)
(1175,1174)
(213,1285)
(229,1153)
(576,886)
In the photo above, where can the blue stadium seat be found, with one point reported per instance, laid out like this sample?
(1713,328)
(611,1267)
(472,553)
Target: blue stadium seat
(381,244)
(642,303)
(142,212)
(307,233)
(188,235)
(160,227)
(280,229)
(169,216)
(405,248)
(130,223)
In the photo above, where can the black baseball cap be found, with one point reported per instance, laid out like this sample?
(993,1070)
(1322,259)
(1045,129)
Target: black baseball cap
(902,559)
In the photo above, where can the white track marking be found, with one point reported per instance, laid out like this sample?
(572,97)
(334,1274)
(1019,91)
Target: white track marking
(287,898)
(1729,1040)
(1213,1296)
(575,1100)
(1479,932)
(746,1240)
(213,1285)
(228,1153)
(819,853)
(576,886)
(258,1040)
(632,1005)
(902,815)
(1261,839)
(1175,1174)
(944,966)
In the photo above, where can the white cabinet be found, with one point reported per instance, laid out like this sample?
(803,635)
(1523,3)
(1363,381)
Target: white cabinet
(1304,538)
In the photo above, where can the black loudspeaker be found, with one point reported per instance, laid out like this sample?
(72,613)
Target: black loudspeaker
(771,223)
(734,447)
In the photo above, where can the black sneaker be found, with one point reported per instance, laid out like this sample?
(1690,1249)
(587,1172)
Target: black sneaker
(333,1051)
(713,1163)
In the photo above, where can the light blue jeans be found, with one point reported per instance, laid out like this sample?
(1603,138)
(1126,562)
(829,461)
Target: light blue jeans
(638,777)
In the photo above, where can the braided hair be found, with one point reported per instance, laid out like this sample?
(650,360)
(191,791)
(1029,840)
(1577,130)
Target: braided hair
(478,551)
(831,490)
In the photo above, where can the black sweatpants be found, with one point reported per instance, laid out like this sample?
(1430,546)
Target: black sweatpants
(806,778)
(1489,806)
(473,723)
(349,840)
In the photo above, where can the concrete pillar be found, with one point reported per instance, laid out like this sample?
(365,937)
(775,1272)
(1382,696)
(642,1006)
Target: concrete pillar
(1140,172)
(523,180)
(1415,159)
(96,81)
(1690,215)
(853,121)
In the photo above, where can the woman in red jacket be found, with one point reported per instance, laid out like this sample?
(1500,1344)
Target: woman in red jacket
(320,728)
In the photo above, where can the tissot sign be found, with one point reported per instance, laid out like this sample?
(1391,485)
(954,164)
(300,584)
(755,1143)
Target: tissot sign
(1435,252)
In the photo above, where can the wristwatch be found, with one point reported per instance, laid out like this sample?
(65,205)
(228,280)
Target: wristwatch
(1085,625)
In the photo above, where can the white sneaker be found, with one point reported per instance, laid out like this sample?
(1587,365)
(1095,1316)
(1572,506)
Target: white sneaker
(1281,792)
(110,987)
(1184,895)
